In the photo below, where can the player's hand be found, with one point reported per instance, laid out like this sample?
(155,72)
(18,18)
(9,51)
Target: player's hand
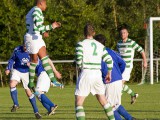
(145,64)
(58,74)
(7,72)
(56,25)
(46,34)
(31,85)
(108,77)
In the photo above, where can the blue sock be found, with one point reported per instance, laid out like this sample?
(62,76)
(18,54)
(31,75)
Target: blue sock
(117,115)
(13,92)
(124,113)
(44,104)
(45,99)
(32,100)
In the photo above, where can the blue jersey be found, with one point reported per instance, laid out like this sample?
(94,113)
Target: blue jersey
(118,67)
(19,60)
(39,68)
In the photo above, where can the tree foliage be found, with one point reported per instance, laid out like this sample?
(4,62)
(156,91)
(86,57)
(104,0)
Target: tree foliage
(106,15)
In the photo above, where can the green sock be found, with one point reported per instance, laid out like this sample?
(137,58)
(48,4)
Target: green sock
(80,114)
(128,90)
(109,112)
(32,71)
(48,68)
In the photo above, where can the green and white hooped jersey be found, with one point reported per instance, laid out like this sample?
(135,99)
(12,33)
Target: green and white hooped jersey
(127,50)
(34,22)
(90,53)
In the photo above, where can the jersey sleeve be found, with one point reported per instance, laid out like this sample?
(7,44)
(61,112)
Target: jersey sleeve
(137,47)
(11,60)
(38,22)
(108,59)
(79,54)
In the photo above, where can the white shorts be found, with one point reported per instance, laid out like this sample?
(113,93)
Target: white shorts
(113,92)
(43,82)
(126,74)
(18,76)
(33,43)
(89,81)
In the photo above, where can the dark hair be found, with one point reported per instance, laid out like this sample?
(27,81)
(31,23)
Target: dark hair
(122,27)
(88,30)
(100,38)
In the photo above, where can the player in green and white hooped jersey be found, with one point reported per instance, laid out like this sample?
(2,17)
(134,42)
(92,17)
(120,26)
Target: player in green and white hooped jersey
(89,54)
(126,48)
(34,42)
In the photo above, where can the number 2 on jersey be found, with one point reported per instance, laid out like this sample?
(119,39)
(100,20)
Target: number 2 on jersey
(95,48)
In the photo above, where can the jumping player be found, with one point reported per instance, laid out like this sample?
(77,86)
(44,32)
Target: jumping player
(89,54)
(126,47)
(34,41)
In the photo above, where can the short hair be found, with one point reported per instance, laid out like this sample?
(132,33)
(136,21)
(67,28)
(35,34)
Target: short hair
(38,1)
(122,27)
(100,38)
(89,30)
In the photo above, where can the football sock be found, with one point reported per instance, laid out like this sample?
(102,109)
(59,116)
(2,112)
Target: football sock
(109,112)
(46,102)
(124,113)
(32,100)
(32,71)
(13,92)
(117,115)
(48,68)
(128,90)
(80,114)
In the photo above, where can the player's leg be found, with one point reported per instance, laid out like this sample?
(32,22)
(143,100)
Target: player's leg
(121,110)
(126,77)
(45,61)
(13,93)
(14,80)
(117,115)
(32,100)
(80,114)
(31,96)
(107,107)
(32,67)
(43,85)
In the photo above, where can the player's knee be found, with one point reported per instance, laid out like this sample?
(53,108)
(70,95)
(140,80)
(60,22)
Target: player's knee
(13,83)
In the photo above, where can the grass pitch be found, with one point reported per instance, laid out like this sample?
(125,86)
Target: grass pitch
(147,106)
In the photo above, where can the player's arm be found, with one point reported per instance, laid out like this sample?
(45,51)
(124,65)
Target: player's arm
(57,73)
(108,59)
(38,22)
(140,49)
(79,55)
(10,62)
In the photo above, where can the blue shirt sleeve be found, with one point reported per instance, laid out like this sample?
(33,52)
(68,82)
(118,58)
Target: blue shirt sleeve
(121,62)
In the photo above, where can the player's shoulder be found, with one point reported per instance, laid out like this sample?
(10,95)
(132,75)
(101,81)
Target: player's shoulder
(37,10)
(18,48)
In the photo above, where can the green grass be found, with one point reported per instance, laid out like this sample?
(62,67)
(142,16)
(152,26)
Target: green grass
(147,106)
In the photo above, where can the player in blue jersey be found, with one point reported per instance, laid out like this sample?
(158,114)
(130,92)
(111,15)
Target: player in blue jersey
(19,61)
(43,85)
(114,87)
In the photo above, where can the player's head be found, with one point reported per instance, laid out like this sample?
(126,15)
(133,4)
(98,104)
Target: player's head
(89,30)
(100,38)
(41,4)
(123,31)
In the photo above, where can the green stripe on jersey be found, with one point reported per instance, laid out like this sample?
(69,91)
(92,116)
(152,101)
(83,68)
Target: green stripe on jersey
(92,63)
